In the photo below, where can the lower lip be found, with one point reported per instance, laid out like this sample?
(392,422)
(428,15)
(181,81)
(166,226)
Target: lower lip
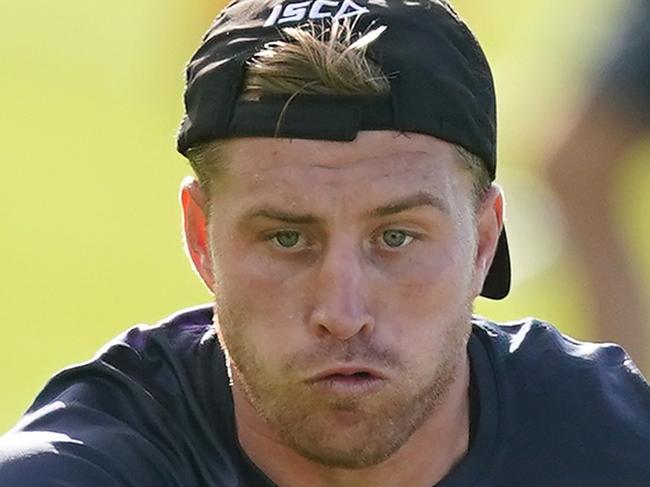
(349,385)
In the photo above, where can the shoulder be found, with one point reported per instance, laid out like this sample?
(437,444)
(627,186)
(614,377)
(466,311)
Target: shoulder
(581,407)
(536,358)
(133,415)
(154,364)
(532,343)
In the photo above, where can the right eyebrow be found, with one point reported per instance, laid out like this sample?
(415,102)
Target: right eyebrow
(280,215)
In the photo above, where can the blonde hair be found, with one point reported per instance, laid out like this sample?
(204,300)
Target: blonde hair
(313,61)
(330,62)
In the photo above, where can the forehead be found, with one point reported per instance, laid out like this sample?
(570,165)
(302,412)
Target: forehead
(380,163)
(374,148)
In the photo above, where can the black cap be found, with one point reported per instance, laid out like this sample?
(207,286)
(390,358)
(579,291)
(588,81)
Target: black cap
(440,83)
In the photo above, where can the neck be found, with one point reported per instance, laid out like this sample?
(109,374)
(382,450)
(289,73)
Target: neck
(427,456)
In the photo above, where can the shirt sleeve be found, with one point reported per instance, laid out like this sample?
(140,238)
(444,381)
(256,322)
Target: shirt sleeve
(41,459)
(93,426)
(70,445)
(148,410)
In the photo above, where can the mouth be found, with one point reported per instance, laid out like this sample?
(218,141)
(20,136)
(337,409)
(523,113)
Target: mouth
(349,381)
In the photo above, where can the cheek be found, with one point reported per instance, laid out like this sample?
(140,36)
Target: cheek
(265,303)
(429,294)
(434,275)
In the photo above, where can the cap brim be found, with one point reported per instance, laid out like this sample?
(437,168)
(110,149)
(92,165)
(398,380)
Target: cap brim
(497,282)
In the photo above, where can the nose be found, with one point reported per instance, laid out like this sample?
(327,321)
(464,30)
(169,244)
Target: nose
(340,295)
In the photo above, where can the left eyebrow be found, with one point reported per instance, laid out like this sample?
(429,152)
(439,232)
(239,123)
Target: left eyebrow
(283,216)
(421,198)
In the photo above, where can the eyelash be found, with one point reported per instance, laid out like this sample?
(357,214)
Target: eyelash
(412,236)
(272,236)
(377,238)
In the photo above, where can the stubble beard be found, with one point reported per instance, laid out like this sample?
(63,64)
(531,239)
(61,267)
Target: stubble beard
(302,421)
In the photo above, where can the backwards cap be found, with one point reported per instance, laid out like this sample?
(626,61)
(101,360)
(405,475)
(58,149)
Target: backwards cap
(440,84)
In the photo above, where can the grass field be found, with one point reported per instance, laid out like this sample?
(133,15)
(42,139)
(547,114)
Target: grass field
(90,236)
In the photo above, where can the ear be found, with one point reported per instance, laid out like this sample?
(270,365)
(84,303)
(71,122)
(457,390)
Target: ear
(194,204)
(489,220)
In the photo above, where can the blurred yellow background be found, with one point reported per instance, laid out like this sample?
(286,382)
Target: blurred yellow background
(90,238)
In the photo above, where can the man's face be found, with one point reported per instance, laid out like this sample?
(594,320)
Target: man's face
(344,275)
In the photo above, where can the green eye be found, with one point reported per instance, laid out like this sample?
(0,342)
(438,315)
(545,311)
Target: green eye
(396,238)
(287,239)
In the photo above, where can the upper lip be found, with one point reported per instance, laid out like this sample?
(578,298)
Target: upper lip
(346,370)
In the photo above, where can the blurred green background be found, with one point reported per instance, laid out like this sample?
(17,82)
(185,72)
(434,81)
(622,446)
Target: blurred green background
(89,222)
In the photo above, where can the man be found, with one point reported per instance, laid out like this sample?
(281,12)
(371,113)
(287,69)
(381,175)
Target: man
(344,217)
(587,160)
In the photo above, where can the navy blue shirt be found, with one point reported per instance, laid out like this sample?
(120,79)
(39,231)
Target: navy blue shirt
(154,408)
